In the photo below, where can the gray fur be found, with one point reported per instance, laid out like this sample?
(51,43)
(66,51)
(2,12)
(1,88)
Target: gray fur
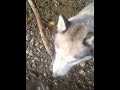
(75,44)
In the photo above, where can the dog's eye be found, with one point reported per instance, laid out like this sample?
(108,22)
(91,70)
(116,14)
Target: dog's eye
(77,56)
(89,35)
(87,38)
(72,60)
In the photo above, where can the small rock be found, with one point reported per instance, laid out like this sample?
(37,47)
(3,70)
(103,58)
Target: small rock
(32,75)
(45,60)
(88,71)
(36,44)
(27,51)
(28,66)
(84,73)
(36,58)
(28,56)
(81,72)
(32,61)
(83,86)
(41,47)
(79,81)
(89,82)
(33,66)
(38,88)
(51,68)
(32,42)
(27,62)
(46,65)
(52,23)
(56,3)
(27,78)
(56,83)
(31,33)
(41,59)
(47,88)
(45,74)
(38,49)
(28,37)
(34,50)
(30,51)
(82,64)
(31,54)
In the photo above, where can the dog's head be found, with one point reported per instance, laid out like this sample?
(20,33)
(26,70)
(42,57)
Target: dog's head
(74,43)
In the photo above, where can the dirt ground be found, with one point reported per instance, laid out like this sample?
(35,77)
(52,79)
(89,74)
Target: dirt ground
(38,62)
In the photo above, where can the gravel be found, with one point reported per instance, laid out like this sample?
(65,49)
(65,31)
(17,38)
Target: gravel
(38,62)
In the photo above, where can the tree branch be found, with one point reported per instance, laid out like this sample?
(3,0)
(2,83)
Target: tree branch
(41,27)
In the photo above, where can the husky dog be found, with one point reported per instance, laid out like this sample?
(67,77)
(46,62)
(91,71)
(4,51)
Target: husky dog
(74,41)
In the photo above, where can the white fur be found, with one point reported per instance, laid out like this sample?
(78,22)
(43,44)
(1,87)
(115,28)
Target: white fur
(60,66)
(63,63)
(61,24)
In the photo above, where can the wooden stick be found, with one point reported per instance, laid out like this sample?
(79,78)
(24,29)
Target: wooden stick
(46,43)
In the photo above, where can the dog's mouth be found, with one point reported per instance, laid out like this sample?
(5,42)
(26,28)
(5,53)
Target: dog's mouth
(83,58)
(86,57)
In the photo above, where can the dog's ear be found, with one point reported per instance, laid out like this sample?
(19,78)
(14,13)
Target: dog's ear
(63,24)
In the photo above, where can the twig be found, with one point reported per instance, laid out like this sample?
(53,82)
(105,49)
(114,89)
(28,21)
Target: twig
(46,43)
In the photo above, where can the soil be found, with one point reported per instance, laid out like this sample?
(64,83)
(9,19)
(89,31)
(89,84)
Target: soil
(38,62)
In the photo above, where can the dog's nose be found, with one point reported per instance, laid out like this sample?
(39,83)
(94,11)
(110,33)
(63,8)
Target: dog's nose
(59,77)
(55,75)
